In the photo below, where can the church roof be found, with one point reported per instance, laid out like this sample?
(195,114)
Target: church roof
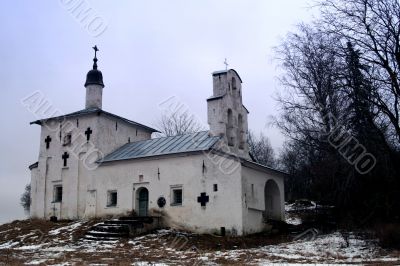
(200,141)
(220,72)
(97,111)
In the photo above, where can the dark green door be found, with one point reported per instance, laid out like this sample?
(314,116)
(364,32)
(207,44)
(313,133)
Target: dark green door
(143,202)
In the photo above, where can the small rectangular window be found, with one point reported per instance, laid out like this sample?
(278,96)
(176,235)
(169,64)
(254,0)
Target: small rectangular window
(67,139)
(57,194)
(112,198)
(176,196)
(215,187)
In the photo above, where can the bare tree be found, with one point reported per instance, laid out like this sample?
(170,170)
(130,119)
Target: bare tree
(342,72)
(261,149)
(373,27)
(178,122)
(311,65)
(26,198)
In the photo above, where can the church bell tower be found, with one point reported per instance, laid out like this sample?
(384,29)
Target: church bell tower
(94,85)
(227,115)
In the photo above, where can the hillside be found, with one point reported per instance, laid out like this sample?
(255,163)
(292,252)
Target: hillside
(36,242)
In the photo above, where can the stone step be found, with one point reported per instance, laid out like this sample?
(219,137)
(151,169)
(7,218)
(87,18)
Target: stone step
(107,234)
(144,219)
(111,228)
(105,239)
(134,223)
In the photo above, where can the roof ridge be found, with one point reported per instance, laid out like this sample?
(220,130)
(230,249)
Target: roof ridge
(92,110)
(191,142)
(183,134)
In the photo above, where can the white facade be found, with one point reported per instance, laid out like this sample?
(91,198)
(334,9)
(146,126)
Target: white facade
(205,191)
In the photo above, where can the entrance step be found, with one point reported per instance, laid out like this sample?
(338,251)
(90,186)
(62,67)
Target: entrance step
(144,219)
(107,234)
(123,227)
(132,223)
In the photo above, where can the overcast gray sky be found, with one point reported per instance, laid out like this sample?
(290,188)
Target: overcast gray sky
(149,51)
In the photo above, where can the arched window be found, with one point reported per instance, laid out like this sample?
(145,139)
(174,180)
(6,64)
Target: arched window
(233,83)
(272,199)
(229,133)
(240,132)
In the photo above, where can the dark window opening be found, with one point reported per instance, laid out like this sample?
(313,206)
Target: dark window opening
(229,133)
(215,187)
(112,199)
(57,193)
(67,139)
(177,197)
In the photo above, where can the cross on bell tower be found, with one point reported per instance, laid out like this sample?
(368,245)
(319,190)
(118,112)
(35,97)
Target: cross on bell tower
(226,64)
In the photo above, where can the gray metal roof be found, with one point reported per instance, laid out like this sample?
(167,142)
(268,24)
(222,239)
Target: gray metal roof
(199,141)
(97,111)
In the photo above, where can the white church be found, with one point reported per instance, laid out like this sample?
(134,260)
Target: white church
(93,163)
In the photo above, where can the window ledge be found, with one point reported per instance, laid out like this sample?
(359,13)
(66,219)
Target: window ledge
(56,201)
(111,206)
(176,204)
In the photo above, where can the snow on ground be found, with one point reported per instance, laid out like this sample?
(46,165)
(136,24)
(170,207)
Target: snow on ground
(68,228)
(169,247)
(300,206)
(293,220)
(331,248)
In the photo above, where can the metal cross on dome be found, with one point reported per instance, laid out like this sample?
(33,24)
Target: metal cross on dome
(95,50)
(95,56)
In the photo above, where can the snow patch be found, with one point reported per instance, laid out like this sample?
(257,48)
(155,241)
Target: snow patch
(68,228)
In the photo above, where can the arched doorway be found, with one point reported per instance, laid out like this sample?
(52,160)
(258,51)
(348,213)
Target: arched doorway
(142,201)
(272,200)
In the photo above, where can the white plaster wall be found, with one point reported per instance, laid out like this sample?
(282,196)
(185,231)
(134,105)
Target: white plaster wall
(114,133)
(77,177)
(218,112)
(94,96)
(35,185)
(222,210)
(254,199)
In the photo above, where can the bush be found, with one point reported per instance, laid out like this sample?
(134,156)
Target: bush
(26,198)
(388,235)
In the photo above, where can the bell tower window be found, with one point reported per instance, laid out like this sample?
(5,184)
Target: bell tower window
(233,83)
(229,133)
(240,132)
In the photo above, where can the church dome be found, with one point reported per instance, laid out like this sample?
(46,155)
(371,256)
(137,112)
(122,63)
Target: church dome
(94,77)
